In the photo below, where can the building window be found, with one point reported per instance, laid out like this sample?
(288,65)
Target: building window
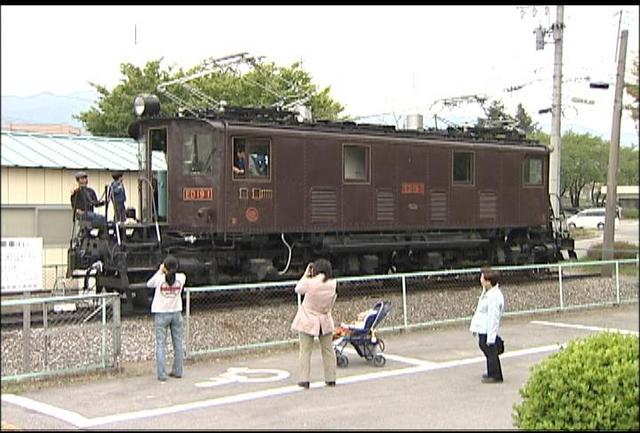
(52,223)
(251,158)
(532,171)
(463,167)
(355,163)
(197,155)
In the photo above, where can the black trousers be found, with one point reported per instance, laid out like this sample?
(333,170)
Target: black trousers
(491,353)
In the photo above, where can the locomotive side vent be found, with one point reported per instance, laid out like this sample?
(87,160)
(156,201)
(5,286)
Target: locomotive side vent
(438,206)
(488,205)
(385,205)
(323,205)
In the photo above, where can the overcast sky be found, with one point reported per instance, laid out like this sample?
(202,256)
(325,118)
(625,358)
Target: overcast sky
(377,59)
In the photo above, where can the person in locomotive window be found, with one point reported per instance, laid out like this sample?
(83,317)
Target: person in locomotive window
(258,165)
(119,196)
(313,319)
(166,308)
(239,162)
(83,201)
(486,321)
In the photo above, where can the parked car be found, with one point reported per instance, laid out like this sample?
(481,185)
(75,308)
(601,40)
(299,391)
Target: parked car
(589,219)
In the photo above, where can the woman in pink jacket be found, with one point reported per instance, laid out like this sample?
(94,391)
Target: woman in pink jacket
(314,319)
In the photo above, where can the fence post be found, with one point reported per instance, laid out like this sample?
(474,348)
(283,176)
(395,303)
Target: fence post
(187,330)
(45,331)
(404,299)
(560,283)
(618,282)
(103,346)
(116,330)
(26,335)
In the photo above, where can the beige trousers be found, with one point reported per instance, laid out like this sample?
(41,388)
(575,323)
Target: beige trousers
(328,357)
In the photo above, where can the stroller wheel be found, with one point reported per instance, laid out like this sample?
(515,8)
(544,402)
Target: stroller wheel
(342,361)
(379,361)
(380,345)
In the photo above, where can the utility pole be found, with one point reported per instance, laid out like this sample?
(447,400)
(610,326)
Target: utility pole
(556,113)
(614,147)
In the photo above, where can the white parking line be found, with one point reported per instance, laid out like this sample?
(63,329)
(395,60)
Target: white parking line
(67,416)
(84,422)
(585,327)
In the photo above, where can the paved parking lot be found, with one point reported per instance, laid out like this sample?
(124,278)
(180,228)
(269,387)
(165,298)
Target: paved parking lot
(431,381)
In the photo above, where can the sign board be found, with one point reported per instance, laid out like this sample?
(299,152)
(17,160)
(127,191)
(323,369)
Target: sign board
(21,264)
(197,194)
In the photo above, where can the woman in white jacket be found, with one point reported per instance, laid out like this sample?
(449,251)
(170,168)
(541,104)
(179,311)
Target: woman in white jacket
(486,321)
(166,308)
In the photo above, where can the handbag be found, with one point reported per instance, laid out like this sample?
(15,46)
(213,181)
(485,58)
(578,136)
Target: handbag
(500,345)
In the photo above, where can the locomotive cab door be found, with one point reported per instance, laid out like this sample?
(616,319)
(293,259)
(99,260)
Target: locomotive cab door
(194,161)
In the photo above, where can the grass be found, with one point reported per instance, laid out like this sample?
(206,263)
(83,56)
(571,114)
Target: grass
(582,233)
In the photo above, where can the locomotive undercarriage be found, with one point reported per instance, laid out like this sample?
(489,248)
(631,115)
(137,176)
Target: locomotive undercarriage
(124,263)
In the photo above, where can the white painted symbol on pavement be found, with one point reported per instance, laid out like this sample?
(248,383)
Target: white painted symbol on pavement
(245,375)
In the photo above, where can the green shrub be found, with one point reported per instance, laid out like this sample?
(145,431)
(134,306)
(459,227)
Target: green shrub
(591,385)
(630,213)
(621,250)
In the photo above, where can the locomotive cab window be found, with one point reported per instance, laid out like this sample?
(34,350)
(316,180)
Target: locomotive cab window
(463,170)
(251,158)
(355,163)
(197,155)
(532,171)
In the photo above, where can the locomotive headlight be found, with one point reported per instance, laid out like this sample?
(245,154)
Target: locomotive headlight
(146,105)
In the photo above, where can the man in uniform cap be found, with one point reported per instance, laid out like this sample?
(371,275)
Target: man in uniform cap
(83,200)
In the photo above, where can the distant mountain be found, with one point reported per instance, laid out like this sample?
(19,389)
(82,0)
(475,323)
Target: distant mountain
(46,107)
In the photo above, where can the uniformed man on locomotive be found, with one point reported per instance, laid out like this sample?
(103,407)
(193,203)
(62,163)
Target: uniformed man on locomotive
(83,201)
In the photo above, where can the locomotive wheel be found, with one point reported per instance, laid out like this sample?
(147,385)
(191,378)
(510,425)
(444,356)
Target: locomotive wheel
(342,361)
(379,361)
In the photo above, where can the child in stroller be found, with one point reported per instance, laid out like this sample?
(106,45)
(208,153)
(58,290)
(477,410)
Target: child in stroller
(361,335)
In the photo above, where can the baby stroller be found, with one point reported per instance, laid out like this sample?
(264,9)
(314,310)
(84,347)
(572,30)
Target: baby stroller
(363,339)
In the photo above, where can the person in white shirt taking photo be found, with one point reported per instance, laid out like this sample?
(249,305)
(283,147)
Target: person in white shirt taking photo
(486,322)
(166,308)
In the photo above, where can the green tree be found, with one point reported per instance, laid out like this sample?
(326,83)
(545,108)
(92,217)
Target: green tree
(494,113)
(524,121)
(263,86)
(629,167)
(632,90)
(114,110)
(583,162)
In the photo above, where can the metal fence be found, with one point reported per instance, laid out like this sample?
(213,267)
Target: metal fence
(250,316)
(76,333)
(64,334)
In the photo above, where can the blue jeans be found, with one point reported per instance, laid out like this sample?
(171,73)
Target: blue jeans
(162,321)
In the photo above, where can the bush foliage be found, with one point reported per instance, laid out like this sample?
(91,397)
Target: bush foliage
(621,250)
(591,385)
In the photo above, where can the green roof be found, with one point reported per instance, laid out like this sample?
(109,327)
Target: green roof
(25,149)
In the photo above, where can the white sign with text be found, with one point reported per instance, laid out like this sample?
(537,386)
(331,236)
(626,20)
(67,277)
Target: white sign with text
(21,264)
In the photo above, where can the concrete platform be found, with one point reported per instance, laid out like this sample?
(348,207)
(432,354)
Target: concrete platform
(431,381)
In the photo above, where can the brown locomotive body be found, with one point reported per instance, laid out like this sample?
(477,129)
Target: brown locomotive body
(333,181)
(254,201)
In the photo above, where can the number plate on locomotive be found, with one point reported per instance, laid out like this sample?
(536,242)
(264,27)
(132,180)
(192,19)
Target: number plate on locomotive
(197,194)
